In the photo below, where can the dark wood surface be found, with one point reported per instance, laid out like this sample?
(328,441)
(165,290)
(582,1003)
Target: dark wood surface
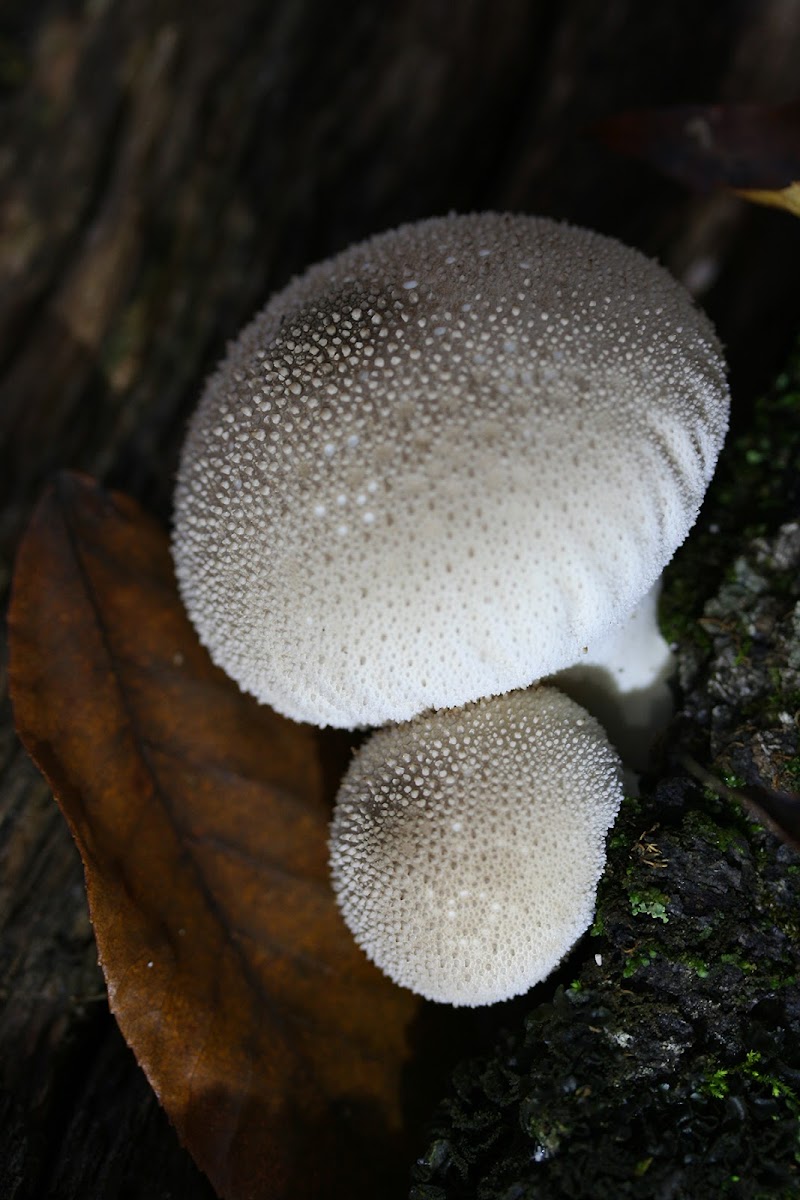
(163,168)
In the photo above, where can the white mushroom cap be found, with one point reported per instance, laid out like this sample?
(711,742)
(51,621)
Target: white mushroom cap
(466,846)
(439,464)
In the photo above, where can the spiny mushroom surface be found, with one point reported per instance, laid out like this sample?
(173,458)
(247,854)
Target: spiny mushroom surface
(439,464)
(466,845)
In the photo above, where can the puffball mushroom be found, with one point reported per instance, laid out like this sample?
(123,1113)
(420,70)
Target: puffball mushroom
(467,844)
(441,463)
(438,467)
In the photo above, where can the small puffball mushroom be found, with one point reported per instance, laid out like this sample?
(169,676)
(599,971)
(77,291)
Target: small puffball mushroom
(466,845)
(441,463)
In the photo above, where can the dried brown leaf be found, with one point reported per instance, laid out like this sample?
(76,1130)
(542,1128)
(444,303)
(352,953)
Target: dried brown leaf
(274,1046)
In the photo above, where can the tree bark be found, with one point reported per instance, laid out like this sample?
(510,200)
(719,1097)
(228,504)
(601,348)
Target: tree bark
(664,1059)
(165,167)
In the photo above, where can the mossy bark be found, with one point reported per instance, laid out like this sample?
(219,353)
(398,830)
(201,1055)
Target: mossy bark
(670,1064)
(666,1060)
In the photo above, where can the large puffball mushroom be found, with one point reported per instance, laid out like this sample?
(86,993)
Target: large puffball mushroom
(441,463)
(466,845)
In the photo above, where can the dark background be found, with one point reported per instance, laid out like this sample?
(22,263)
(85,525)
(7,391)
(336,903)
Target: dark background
(164,167)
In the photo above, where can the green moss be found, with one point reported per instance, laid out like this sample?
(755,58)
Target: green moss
(751,1076)
(778,1088)
(730,835)
(640,956)
(776,982)
(598,927)
(735,960)
(650,903)
(698,965)
(717,1084)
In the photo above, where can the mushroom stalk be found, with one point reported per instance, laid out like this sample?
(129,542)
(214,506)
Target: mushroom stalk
(624,681)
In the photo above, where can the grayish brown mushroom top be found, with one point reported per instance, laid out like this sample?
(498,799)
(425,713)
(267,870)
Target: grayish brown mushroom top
(438,465)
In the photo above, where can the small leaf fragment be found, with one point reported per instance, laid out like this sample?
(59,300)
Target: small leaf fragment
(788,197)
(752,149)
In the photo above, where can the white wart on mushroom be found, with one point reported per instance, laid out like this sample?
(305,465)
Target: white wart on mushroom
(440,465)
